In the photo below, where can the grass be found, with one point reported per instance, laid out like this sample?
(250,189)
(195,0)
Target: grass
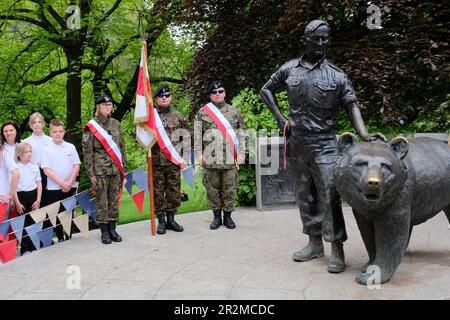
(197,202)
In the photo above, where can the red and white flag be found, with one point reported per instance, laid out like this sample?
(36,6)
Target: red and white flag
(143,114)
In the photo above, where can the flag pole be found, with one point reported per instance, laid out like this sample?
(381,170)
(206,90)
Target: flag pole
(150,190)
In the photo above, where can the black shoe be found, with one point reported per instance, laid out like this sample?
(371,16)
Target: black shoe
(217,222)
(161,224)
(227,221)
(106,237)
(112,231)
(172,224)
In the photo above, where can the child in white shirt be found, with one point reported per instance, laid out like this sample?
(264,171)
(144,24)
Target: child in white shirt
(29,190)
(61,165)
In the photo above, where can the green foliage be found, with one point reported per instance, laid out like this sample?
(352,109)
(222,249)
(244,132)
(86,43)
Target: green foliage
(246,193)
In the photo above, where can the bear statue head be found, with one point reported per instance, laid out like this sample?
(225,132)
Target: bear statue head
(369,175)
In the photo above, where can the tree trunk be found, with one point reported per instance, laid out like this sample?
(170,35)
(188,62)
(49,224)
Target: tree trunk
(73,90)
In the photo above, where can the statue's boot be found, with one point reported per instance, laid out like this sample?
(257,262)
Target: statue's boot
(112,231)
(337,261)
(314,249)
(227,221)
(106,236)
(217,222)
(161,229)
(172,224)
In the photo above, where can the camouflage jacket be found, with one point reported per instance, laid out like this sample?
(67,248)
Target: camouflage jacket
(173,120)
(96,160)
(216,150)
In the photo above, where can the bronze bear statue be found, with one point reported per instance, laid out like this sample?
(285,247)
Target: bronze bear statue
(392,187)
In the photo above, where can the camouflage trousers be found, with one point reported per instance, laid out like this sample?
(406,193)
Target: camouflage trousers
(107,197)
(166,187)
(221,186)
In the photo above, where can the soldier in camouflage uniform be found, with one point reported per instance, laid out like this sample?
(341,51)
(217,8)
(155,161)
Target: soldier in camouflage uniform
(220,168)
(166,175)
(105,176)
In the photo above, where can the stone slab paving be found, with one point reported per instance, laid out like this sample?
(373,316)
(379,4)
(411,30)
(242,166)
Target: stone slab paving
(253,261)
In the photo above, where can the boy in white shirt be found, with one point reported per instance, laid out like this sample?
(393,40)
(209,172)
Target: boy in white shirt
(38,141)
(61,165)
(29,190)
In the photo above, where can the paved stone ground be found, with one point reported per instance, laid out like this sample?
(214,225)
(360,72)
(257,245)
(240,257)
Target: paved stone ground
(253,261)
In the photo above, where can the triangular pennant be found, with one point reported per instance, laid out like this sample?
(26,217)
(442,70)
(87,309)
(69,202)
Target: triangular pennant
(46,236)
(66,221)
(188,175)
(82,223)
(8,251)
(92,204)
(3,211)
(32,233)
(140,177)
(69,203)
(83,199)
(129,182)
(138,199)
(52,209)
(17,226)
(2,239)
(4,227)
(38,215)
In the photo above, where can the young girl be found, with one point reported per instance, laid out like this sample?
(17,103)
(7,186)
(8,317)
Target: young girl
(29,190)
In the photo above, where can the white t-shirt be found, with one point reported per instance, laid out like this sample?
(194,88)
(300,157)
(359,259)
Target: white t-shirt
(38,143)
(10,148)
(60,159)
(29,175)
(7,165)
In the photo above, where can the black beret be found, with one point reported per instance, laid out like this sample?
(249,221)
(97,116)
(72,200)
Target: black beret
(103,99)
(215,85)
(161,89)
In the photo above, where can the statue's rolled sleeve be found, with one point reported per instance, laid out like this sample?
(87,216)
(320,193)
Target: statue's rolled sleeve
(348,94)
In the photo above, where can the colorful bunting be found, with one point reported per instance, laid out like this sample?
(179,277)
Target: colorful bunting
(17,226)
(140,177)
(8,251)
(3,211)
(32,233)
(138,199)
(66,221)
(69,203)
(52,209)
(188,174)
(82,223)
(129,182)
(38,215)
(4,227)
(46,237)
(84,201)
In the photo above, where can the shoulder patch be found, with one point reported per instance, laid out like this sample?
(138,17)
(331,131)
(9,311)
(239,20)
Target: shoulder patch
(335,67)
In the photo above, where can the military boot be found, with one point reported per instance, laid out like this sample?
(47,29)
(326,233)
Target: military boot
(217,222)
(337,261)
(106,237)
(112,231)
(172,224)
(227,221)
(161,224)
(314,249)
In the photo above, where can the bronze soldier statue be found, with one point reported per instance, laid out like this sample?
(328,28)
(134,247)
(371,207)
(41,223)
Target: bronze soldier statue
(218,158)
(166,175)
(316,90)
(105,173)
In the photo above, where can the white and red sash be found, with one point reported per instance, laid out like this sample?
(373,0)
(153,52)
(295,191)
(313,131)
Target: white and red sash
(108,143)
(165,144)
(224,126)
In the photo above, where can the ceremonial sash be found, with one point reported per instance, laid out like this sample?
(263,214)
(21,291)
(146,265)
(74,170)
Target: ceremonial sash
(165,144)
(108,143)
(224,126)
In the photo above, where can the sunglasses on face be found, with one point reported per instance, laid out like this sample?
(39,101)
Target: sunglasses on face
(164,95)
(217,91)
